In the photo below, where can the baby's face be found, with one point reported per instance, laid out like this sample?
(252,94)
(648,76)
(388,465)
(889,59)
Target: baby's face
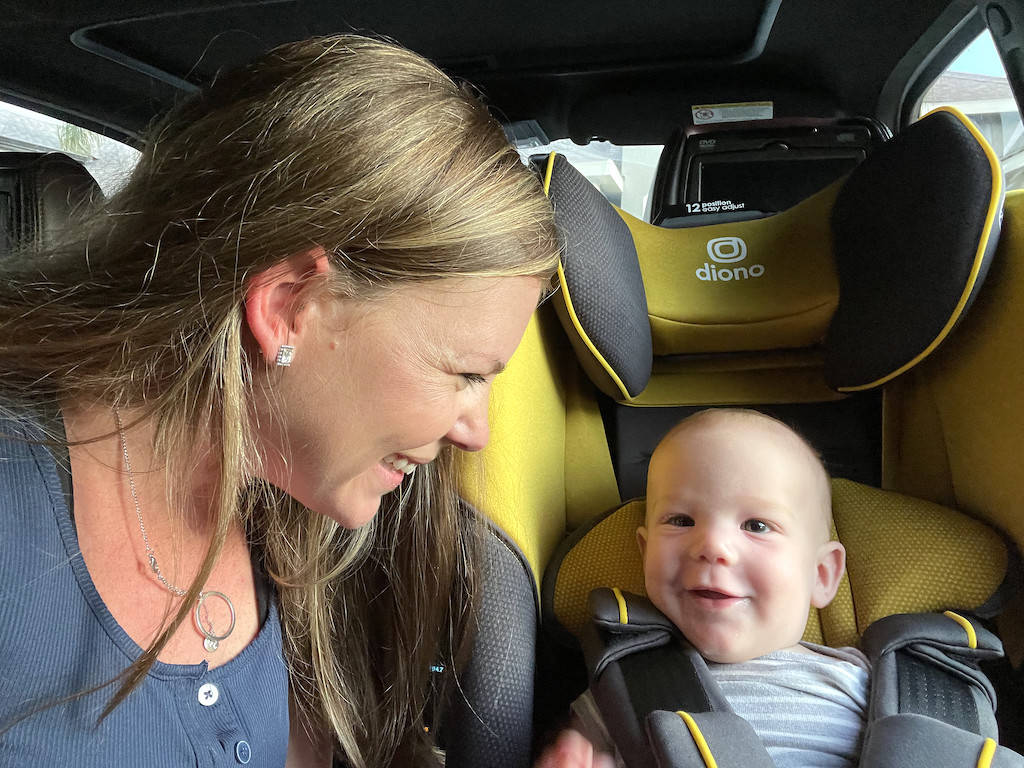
(735,545)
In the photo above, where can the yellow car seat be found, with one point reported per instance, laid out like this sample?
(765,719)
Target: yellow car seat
(849,315)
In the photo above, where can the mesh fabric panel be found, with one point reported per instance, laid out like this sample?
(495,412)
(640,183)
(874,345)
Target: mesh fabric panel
(602,277)
(607,555)
(904,555)
(490,721)
(913,227)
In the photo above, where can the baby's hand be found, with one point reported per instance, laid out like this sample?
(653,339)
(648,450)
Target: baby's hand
(573,751)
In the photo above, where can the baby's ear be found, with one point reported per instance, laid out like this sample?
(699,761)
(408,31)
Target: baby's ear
(641,540)
(829,571)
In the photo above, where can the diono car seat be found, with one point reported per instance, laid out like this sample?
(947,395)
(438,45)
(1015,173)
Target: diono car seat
(840,315)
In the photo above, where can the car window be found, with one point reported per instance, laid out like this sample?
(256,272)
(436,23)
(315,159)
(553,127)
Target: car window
(975,83)
(109,161)
(623,174)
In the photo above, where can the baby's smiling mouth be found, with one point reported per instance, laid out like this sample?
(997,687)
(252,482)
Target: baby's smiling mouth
(711,594)
(713,599)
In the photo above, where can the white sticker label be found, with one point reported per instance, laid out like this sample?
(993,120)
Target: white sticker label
(732,113)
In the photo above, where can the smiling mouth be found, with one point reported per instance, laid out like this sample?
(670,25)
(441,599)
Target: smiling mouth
(714,600)
(711,594)
(400,463)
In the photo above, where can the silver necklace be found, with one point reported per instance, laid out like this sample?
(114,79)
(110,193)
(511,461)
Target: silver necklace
(211,638)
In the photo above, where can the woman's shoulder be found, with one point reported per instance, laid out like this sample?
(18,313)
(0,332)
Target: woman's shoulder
(23,449)
(28,426)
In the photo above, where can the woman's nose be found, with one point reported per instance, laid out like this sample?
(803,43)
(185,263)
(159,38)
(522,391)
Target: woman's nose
(471,431)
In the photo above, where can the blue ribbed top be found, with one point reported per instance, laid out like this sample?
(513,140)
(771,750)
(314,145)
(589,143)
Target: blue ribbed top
(57,638)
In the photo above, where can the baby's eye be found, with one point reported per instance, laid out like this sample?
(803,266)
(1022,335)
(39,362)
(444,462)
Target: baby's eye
(756,526)
(680,521)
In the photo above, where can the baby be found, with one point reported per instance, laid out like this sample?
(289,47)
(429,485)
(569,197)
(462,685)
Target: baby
(737,548)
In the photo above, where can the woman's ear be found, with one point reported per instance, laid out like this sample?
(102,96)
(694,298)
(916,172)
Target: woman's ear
(274,300)
(830,568)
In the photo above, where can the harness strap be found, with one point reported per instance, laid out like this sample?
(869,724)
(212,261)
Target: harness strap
(929,704)
(705,740)
(927,664)
(639,664)
(899,741)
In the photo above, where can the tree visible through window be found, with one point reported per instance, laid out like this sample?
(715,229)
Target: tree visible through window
(22,130)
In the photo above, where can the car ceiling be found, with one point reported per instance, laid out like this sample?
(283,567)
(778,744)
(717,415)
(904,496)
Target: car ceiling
(629,73)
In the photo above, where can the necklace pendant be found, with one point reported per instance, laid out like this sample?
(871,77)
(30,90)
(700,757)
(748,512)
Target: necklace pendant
(210,644)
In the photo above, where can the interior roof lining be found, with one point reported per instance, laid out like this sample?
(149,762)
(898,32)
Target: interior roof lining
(86,39)
(573,81)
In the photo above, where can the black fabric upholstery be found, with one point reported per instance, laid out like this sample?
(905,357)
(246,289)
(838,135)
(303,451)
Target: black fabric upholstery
(490,719)
(38,192)
(846,432)
(602,276)
(907,227)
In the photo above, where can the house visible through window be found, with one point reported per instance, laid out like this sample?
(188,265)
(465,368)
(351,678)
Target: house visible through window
(623,174)
(975,83)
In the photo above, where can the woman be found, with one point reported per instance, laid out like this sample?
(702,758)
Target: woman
(294,307)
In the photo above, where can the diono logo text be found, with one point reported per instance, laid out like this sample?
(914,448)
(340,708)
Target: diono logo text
(727,250)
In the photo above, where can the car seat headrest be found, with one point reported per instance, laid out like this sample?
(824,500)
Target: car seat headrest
(915,227)
(844,267)
(602,290)
(904,555)
(38,193)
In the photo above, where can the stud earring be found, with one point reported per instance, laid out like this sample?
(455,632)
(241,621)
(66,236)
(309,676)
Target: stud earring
(285,353)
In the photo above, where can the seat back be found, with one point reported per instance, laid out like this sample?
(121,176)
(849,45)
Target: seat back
(719,172)
(38,194)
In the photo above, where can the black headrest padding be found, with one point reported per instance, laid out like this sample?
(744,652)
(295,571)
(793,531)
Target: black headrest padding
(38,193)
(602,276)
(909,226)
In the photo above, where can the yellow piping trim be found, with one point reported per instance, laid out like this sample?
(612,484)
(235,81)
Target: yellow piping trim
(547,173)
(568,302)
(988,750)
(972,636)
(623,612)
(990,220)
(586,339)
(702,745)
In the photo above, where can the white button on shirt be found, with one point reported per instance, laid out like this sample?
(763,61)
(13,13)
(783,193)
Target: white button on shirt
(208,694)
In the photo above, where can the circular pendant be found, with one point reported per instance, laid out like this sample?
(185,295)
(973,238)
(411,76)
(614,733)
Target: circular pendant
(212,640)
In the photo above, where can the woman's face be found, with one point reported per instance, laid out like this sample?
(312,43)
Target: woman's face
(378,387)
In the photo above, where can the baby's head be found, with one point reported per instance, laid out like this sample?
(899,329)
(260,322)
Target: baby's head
(737,538)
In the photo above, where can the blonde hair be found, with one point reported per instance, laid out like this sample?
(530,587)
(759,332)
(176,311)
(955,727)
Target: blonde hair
(347,143)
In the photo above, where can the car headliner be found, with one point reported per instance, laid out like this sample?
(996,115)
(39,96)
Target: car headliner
(581,69)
